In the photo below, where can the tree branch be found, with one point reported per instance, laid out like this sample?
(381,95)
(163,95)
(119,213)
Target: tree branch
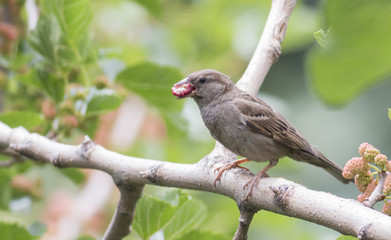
(269,46)
(246,216)
(273,194)
(377,194)
(124,214)
(11,161)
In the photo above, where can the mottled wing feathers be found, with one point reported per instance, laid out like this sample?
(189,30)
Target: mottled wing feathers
(261,118)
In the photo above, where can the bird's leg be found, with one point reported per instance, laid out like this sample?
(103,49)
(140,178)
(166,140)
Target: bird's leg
(260,174)
(228,166)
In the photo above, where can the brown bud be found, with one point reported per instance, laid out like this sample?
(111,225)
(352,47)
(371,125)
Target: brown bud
(69,121)
(101,82)
(48,109)
(67,107)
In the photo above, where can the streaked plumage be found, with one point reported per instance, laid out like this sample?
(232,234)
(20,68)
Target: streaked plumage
(247,125)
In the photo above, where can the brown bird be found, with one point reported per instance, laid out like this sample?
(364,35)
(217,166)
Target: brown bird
(247,125)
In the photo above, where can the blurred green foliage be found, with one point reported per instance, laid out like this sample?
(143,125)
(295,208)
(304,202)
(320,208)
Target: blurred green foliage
(74,174)
(86,238)
(153,83)
(5,190)
(25,119)
(12,231)
(346,238)
(85,57)
(357,53)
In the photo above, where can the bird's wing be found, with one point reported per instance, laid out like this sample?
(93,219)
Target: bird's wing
(262,119)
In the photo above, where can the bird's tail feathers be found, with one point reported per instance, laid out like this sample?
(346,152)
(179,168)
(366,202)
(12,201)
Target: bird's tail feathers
(318,159)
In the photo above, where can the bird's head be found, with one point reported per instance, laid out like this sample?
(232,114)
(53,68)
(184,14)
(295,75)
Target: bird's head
(204,85)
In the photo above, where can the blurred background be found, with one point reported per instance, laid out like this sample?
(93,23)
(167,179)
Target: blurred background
(333,87)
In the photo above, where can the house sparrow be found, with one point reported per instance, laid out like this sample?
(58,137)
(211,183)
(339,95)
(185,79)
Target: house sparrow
(248,126)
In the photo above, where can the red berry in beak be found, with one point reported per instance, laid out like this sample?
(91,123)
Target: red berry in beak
(182,89)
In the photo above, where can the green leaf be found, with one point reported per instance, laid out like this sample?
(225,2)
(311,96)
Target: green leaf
(151,215)
(196,235)
(50,83)
(41,78)
(74,174)
(175,197)
(45,39)
(5,188)
(188,217)
(344,237)
(389,113)
(90,125)
(74,17)
(103,101)
(12,231)
(358,50)
(153,83)
(25,119)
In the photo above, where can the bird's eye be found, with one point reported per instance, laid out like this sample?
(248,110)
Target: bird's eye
(203,80)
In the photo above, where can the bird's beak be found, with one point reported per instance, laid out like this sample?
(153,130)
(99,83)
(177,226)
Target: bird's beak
(183,89)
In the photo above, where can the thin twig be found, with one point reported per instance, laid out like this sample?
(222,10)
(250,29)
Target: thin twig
(246,216)
(8,163)
(124,213)
(377,194)
(16,158)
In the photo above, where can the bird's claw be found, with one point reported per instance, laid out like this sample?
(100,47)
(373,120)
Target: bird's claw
(228,166)
(221,170)
(253,182)
(243,168)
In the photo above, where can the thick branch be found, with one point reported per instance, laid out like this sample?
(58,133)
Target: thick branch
(269,46)
(273,194)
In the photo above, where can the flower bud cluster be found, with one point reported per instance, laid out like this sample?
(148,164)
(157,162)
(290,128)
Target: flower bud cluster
(368,152)
(357,168)
(387,208)
(362,180)
(387,185)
